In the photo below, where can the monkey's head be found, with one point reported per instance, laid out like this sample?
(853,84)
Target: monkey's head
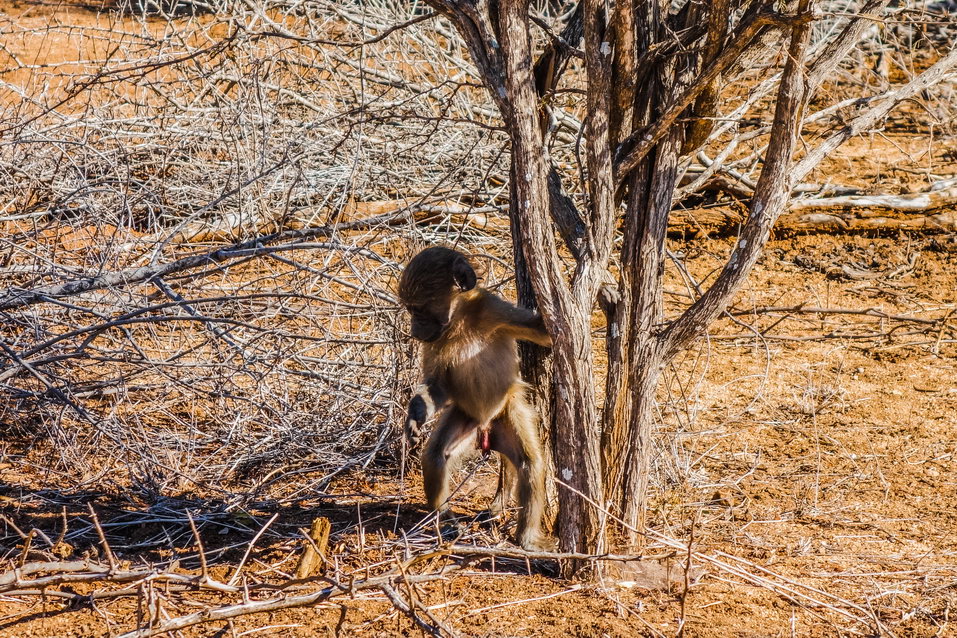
(428,287)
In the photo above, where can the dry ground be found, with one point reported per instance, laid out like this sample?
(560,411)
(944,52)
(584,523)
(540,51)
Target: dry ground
(827,461)
(820,456)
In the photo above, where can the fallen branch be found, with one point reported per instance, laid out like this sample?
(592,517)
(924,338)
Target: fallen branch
(823,222)
(943,193)
(437,630)
(846,213)
(226,612)
(18,582)
(871,336)
(870,312)
(64,573)
(496,552)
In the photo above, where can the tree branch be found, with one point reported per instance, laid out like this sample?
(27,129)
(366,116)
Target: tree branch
(598,145)
(838,48)
(13,298)
(548,69)
(770,196)
(867,119)
(483,43)
(634,149)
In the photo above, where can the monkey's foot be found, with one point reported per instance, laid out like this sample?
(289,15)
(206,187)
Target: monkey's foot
(537,542)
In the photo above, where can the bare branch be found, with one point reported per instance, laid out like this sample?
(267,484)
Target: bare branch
(770,197)
(630,153)
(940,70)
(11,299)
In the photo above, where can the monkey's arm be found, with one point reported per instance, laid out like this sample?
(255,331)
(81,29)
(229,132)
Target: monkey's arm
(530,328)
(429,397)
(518,323)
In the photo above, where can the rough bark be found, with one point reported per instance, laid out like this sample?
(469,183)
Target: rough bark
(534,359)
(637,352)
(576,443)
(633,351)
(645,356)
(591,270)
(624,83)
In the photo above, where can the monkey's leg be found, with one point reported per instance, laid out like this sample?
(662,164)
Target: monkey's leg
(515,435)
(452,438)
(506,481)
(506,474)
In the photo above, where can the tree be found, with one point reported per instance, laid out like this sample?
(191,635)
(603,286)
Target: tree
(653,74)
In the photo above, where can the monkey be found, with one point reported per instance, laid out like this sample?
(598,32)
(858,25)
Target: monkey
(470,371)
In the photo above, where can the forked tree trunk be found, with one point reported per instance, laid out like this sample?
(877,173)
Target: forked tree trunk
(652,80)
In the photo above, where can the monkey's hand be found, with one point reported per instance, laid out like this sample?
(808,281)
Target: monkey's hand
(418,415)
(520,323)
(540,335)
(428,397)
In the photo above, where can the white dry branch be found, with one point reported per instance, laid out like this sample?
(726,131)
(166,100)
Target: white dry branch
(941,194)
(156,200)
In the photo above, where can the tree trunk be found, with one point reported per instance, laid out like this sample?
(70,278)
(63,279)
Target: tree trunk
(648,74)
(534,358)
(635,358)
(567,318)
(645,356)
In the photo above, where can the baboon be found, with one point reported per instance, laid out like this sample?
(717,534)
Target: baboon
(470,368)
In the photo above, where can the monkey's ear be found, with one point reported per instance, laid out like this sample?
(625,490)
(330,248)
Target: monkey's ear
(463,273)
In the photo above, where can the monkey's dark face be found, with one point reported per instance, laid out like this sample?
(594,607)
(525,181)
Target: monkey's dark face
(429,322)
(428,287)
